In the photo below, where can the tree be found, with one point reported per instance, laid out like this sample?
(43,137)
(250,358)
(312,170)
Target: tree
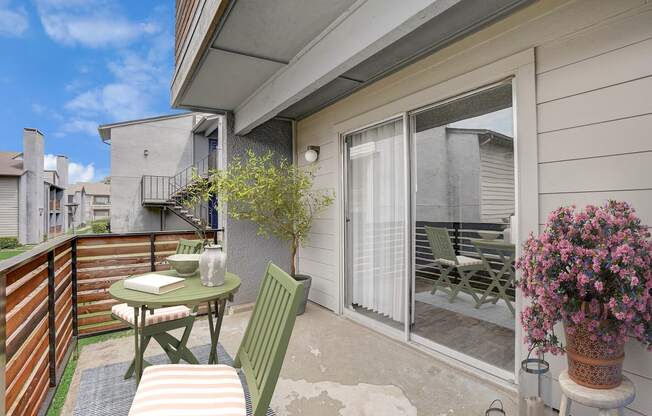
(277,196)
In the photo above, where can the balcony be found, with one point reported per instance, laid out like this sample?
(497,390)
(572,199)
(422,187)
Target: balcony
(55,205)
(57,295)
(55,230)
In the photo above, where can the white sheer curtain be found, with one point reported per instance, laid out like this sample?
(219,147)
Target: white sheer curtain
(377,205)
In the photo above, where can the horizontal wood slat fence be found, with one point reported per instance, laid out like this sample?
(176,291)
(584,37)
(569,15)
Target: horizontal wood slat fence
(460,234)
(58,292)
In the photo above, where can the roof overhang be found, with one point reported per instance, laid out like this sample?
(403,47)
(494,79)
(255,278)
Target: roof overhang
(105,129)
(207,125)
(290,58)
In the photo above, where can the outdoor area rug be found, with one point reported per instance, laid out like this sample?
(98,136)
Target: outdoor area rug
(464,304)
(104,392)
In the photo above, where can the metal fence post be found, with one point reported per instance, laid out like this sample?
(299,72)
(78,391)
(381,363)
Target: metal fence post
(3,338)
(152,252)
(52,336)
(73,278)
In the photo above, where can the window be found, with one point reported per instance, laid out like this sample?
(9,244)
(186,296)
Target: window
(101,200)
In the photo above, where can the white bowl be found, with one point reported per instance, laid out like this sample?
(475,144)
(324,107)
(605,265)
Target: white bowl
(184,264)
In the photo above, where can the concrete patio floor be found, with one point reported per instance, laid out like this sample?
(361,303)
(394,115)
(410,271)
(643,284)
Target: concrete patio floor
(337,367)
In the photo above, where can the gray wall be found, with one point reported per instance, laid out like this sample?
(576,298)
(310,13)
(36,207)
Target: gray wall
(247,252)
(169,143)
(31,197)
(448,176)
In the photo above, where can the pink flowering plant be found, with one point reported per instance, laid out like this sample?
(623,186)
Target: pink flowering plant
(590,268)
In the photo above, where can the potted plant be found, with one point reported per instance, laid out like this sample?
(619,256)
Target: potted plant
(591,271)
(274,194)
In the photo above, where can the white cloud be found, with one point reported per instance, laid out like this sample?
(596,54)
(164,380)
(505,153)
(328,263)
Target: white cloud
(140,82)
(93,24)
(38,108)
(13,21)
(77,172)
(77,125)
(138,73)
(50,162)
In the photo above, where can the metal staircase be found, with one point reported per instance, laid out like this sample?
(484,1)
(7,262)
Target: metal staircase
(169,193)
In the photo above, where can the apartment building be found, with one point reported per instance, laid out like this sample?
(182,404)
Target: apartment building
(32,199)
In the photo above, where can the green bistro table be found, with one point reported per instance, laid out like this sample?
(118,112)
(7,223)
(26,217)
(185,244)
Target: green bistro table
(191,295)
(501,280)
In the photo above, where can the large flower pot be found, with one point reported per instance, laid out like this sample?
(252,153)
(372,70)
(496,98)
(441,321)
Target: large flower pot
(306,280)
(593,363)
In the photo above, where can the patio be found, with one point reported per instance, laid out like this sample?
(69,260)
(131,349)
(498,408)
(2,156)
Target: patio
(334,367)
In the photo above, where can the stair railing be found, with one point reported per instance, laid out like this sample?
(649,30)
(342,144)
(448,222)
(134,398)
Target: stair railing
(202,168)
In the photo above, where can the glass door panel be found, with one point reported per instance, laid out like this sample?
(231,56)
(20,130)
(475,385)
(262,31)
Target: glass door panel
(376,227)
(463,174)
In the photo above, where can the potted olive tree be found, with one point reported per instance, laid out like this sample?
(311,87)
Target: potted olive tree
(274,194)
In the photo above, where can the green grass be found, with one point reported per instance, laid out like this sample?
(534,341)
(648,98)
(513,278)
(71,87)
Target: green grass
(64,384)
(7,254)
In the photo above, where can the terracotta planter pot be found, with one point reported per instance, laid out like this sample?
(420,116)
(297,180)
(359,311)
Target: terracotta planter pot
(594,364)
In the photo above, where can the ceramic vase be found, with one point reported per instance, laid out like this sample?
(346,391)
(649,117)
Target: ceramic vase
(212,266)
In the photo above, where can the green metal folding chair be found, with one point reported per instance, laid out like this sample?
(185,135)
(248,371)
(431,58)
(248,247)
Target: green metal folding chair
(446,261)
(260,357)
(190,246)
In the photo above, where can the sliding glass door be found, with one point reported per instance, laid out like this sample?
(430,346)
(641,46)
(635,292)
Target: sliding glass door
(464,197)
(429,248)
(376,222)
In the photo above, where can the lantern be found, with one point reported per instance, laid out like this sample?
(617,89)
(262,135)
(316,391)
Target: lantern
(535,387)
(494,410)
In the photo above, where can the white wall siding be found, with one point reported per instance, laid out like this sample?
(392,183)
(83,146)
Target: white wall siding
(8,206)
(594,113)
(496,183)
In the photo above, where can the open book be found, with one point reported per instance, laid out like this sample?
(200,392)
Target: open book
(154,283)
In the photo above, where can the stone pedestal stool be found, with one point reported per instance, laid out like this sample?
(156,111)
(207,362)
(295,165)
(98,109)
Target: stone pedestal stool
(608,402)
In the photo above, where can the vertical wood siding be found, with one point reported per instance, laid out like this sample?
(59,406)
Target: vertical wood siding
(185,10)
(8,206)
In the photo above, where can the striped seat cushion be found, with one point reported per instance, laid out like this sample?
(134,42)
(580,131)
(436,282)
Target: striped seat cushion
(189,390)
(126,313)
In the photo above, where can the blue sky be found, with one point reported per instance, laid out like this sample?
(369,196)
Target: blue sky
(69,65)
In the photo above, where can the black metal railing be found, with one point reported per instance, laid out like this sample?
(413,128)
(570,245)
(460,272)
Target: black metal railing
(154,189)
(160,189)
(201,168)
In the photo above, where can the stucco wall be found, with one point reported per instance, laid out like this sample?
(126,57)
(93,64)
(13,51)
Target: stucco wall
(247,252)
(169,143)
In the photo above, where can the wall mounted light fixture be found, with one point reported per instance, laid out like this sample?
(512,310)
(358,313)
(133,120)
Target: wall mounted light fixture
(312,154)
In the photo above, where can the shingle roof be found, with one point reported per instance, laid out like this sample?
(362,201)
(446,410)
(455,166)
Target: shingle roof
(9,165)
(94,188)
